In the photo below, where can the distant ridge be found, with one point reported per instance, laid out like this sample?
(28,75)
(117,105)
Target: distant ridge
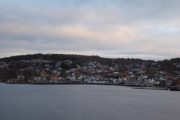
(62,57)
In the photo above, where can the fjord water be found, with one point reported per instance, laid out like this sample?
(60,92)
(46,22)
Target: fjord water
(86,102)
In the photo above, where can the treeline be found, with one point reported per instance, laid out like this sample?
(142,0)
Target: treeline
(39,56)
(83,58)
(76,58)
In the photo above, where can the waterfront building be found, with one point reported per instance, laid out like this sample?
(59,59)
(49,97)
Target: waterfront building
(43,74)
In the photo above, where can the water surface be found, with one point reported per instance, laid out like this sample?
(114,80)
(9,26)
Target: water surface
(86,102)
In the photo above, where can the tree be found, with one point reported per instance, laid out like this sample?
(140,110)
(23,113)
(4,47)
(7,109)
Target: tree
(12,73)
(48,78)
(27,74)
(64,66)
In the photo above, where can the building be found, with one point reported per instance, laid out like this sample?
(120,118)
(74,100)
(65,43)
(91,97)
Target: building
(43,74)
(134,69)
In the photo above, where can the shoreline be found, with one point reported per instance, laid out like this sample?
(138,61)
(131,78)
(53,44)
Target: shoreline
(171,88)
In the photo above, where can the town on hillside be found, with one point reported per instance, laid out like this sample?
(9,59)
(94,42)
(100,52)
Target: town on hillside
(89,70)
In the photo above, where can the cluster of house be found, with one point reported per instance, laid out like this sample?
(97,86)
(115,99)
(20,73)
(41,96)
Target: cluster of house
(3,65)
(145,73)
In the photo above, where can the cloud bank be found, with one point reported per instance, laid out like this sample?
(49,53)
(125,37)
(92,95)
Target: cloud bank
(108,28)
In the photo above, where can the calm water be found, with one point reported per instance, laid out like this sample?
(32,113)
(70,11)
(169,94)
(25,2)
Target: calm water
(86,102)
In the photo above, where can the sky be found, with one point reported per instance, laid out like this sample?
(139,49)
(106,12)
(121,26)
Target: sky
(145,29)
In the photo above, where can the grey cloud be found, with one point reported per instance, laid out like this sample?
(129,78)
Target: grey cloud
(112,13)
(108,27)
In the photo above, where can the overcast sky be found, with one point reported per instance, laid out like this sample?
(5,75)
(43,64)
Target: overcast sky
(146,29)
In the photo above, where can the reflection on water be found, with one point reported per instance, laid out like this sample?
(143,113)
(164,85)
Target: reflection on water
(86,102)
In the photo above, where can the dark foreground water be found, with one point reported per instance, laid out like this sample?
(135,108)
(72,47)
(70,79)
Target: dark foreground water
(86,102)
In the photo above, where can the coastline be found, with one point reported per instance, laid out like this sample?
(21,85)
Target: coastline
(172,88)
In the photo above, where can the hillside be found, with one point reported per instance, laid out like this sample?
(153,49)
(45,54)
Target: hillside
(64,65)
